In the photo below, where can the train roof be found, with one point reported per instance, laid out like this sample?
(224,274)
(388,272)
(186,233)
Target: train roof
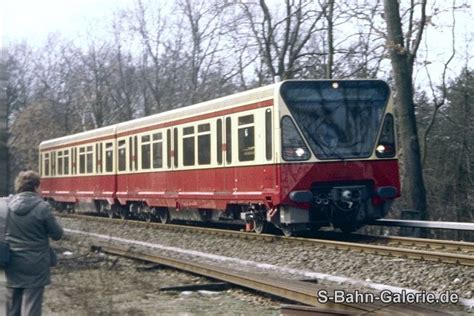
(237,99)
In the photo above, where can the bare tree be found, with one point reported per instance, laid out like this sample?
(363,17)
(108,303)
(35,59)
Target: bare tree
(203,19)
(18,90)
(361,51)
(123,83)
(461,96)
(54,71)
(93,78)
(152,46)
(450,160)
(22,144)
(330,22)
(439,100)
(282,41)
(21,78)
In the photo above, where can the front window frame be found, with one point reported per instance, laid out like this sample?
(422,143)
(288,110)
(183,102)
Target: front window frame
(324,150)
(298,133)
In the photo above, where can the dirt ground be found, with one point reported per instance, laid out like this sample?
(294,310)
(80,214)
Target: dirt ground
(87,283)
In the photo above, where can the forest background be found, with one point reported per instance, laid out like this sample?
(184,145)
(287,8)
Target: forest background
(153,56)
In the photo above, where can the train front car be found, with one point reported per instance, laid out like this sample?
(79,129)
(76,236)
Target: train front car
(339,163)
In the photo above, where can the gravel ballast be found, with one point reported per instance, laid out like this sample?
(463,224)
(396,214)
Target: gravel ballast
(87,283)
(290,260)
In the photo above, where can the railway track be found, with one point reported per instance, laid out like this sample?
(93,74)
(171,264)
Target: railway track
(432,244)
(293,290)
(451,252)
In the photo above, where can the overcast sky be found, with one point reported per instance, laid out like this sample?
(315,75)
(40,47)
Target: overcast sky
(33,20)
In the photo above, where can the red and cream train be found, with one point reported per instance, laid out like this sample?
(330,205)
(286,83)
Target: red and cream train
(299,154)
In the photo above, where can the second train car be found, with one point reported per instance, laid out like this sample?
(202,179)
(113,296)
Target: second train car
(298,154)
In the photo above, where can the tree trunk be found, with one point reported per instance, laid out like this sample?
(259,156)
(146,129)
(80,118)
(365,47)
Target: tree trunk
(413,184)
(330,21)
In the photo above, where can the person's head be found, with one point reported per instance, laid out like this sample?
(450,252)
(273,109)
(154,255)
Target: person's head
(27,181)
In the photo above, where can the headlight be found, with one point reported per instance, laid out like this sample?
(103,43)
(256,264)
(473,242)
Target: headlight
(300,152)
(380,149)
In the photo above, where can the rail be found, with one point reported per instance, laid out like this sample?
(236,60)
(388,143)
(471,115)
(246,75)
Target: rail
(424,224)
(456,257)
(293,290)
(447,245)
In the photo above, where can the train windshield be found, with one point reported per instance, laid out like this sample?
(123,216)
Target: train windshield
(339,119)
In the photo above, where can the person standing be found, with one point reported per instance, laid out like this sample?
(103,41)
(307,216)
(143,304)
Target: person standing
(31,223)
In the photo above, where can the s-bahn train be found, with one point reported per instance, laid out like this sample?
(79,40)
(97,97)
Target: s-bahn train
(297,154)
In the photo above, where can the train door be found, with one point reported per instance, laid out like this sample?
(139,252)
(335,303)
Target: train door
(172,159)
(228,172)
(218,145)
(270,179)
(110,165)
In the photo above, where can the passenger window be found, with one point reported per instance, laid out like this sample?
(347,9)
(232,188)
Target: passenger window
(101,163)
(73,160)
(122,155)
(98,157)
(175,147)
(157,146)
(246,134)
(53,163)
(146,152)
(188,146)
(66,162)
(130,153)
(74,165)
(219,141)
(135,152)
(90,159)
(204,144)
(268,134)
(228,140)
(109,157)
(46,164)
(168,147)
(60,163)
(82,160)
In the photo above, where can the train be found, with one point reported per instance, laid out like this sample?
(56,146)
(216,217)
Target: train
(297,155)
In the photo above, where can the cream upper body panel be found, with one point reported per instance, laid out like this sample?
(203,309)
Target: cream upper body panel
(220,104)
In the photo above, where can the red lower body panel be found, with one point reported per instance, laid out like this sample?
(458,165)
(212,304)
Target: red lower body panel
(216,188)
(301,176)
(83,188)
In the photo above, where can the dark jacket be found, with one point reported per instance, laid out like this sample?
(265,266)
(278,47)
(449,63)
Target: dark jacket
(30,225)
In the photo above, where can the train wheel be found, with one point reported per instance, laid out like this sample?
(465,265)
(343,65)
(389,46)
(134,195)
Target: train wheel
(164,215)
(60,207)
(103,207)
(348,228)
(99,206)
(287,231)
(123,213)
(110,213)
(146,213)
(134,210)
(259,225)
(350,221)
(70,209)
(147,217)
